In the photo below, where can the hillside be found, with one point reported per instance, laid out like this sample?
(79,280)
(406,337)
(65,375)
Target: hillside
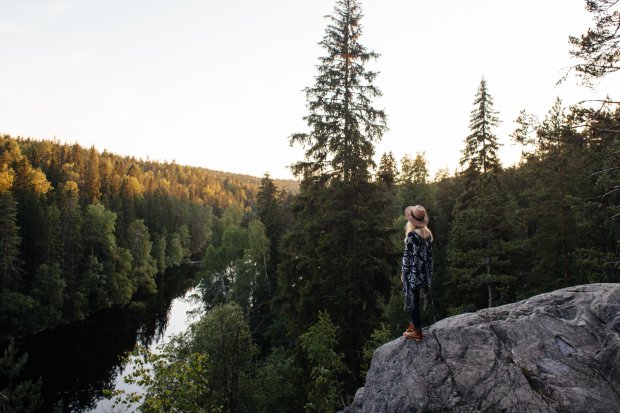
(101,174)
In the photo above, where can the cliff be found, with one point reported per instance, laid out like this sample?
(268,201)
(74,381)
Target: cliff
(554,352)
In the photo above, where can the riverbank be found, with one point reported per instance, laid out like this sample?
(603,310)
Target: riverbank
(78,361)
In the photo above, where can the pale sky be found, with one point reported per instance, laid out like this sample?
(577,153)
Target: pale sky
(218,84)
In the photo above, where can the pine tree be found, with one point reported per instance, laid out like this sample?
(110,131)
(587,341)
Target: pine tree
(337,258)
(599,48)
(480,153)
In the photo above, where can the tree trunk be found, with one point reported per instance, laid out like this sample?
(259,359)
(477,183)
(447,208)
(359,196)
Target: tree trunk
(489,287)
(490,291)
(563,230)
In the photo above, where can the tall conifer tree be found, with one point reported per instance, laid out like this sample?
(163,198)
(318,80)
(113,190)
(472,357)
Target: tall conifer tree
(343,123)
(481,238)
(480,153)
(337,258)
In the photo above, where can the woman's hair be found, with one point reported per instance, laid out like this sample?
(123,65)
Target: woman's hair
(410,227)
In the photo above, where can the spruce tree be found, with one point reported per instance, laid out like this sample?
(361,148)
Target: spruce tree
(480,153)
(481,239)
(337,258)
(343,123)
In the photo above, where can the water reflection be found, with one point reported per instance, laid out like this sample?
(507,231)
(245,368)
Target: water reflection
(78,361)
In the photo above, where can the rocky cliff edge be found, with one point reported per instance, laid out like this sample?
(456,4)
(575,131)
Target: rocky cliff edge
(555,352)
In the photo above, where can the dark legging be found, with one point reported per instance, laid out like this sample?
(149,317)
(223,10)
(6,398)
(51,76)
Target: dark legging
(414,313)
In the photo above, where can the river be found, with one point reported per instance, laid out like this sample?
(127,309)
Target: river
(76,362)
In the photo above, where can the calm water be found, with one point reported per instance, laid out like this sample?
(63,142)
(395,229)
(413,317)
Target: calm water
(77,361)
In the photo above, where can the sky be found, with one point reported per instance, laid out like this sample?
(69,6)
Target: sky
(219,84)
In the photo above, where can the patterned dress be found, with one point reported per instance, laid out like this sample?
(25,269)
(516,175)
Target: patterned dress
(417,266)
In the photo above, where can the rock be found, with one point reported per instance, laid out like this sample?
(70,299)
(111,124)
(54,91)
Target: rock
(555,352)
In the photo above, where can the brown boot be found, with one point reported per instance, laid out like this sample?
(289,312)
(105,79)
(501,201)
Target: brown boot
(413,333)
(417,334)
(410,332)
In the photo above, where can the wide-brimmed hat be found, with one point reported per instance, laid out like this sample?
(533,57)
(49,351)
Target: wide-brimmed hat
(416,214)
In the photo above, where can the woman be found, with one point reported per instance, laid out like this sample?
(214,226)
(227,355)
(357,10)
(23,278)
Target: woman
(417,271)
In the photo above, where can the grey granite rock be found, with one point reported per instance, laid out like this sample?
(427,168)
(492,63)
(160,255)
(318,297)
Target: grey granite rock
(555,352)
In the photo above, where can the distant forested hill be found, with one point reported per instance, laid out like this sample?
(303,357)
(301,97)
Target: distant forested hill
(99,175)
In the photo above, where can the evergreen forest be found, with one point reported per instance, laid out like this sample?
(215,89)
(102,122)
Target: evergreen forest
(300,280)
(83,230)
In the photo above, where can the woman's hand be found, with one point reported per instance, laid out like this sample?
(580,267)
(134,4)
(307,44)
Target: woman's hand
(402,278)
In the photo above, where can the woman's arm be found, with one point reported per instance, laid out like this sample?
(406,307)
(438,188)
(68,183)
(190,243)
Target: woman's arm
(408,266)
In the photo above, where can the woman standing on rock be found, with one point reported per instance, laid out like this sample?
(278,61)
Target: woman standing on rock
(417,271)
